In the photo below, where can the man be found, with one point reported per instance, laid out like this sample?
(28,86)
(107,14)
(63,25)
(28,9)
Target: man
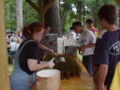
(107,51)
(89,23)
(74,30)
(87,42)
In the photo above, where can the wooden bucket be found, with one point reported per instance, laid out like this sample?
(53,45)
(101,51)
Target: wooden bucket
(48,79)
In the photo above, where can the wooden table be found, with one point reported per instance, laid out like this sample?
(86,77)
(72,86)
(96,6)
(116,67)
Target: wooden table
(84,82)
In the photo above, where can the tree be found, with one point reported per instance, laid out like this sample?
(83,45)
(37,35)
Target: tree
(52,17)
(19,14)
(10,15)
(84,9)
(67,15)
(42,7)
(29,14)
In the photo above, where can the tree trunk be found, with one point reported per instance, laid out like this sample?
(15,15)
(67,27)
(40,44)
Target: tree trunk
(52,17)
(19,15)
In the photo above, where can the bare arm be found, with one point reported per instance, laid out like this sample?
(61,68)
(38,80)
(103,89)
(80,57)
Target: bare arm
(34,66)
(82,48)
(100,75)
(45,48)
(89,45)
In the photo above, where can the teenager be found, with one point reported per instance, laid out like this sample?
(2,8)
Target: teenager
(74,30)
(107,51)
(87,44)
(90,26)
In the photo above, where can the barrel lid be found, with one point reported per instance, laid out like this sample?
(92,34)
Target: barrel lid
(48,73)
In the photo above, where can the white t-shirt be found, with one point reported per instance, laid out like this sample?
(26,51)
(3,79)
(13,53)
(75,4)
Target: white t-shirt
(72,35)
(14,46)
(87,37)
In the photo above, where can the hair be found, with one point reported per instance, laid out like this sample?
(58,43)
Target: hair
(76,23)
(29,30)
(71,28)
(47,26)
(108,12)
(89,21)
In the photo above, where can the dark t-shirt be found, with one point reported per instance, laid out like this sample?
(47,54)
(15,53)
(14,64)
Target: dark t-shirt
(29,51)
(107,51)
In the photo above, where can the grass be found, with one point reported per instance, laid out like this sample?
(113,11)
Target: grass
(10,67)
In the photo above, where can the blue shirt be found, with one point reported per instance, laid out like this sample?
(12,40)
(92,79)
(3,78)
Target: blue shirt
(107,52)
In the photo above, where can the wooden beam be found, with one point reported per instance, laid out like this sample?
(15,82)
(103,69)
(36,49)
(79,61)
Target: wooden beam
(4,80)
(41,8)
(118,1)
(34,5)
(48,5)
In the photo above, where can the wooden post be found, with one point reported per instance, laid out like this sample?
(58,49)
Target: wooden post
(118,1)
(4,80)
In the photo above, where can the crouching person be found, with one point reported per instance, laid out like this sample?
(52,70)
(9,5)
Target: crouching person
(26,59)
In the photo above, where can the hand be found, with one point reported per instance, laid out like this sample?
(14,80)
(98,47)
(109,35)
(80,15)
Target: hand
(82,48)
(102,87)
(51,51)
(51,64)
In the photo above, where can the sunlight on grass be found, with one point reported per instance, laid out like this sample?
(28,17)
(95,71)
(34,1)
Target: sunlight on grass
(11,68)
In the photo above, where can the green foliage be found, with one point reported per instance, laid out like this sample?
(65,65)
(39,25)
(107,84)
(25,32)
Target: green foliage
(10,14)
(84,9)
(29,14)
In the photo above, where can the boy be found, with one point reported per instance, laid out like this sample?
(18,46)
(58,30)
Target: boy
(107,51)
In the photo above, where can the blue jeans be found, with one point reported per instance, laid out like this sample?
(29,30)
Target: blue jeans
(21,80)
(87,61)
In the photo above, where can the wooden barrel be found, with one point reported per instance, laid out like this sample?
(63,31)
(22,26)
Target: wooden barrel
(48,79)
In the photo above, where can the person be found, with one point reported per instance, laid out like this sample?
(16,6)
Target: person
(47,29)
(27,59)
(89,23)
(107,51)
(14,44)
(74,30)
(87,42)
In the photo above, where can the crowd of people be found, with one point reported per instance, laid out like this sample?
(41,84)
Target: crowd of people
(100,54)
(13,42)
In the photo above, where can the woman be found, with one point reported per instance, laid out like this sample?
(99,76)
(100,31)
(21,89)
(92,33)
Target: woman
(27,58)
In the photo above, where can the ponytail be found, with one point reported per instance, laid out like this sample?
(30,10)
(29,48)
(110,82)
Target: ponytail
(26,32)
(29,30)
